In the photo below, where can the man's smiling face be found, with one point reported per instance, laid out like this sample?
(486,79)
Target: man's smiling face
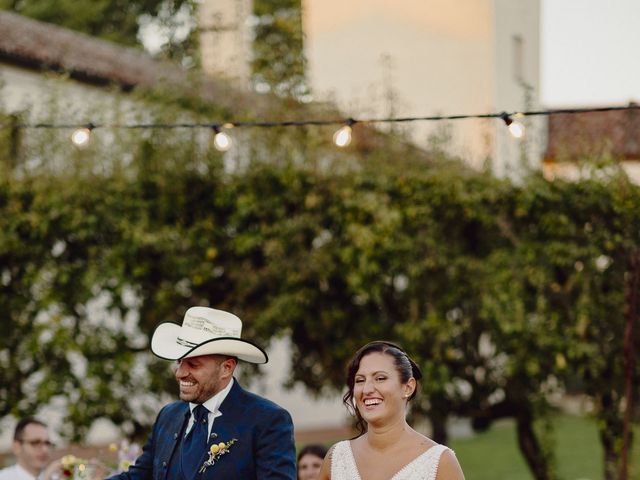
(200,378)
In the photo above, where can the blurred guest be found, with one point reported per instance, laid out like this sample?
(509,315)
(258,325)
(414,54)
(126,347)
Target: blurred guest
(32,449)
(310,461)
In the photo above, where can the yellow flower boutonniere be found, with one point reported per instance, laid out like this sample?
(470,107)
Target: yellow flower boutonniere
(215,452)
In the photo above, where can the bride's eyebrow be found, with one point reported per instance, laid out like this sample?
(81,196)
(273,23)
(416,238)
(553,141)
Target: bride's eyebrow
(377,372)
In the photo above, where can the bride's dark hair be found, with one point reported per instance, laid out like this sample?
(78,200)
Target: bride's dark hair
(406,367)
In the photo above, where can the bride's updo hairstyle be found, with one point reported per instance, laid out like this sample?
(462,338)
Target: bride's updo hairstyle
(405,367)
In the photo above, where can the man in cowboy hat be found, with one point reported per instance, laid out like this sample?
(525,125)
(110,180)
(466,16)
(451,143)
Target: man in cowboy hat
(218,430)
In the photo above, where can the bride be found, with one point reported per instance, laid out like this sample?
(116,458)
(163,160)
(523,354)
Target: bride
(382,379)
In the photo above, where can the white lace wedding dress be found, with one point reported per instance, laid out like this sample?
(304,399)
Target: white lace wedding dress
(424,467)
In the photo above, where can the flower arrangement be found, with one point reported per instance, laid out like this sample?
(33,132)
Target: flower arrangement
(75,468)
(127,454)
(215,452)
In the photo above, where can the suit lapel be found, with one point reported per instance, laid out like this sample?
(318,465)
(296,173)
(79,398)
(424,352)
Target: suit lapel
(224,427)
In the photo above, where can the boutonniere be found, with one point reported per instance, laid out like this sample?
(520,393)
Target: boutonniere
(215,452)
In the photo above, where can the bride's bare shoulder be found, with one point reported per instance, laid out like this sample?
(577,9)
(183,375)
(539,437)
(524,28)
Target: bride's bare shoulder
(449,467)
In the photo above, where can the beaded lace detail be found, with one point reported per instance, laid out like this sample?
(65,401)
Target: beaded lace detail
(424,467)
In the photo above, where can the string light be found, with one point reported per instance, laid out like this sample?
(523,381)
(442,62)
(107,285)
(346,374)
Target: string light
(516,129)
(342,137)
(221,140)
(81,136)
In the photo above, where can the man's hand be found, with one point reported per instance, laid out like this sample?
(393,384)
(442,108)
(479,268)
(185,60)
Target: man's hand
(53,471)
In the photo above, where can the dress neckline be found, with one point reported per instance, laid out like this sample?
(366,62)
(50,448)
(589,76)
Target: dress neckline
(406,466)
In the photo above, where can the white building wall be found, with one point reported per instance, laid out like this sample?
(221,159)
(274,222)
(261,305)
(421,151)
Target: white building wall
(446,58)
(225,38)
(517,83)
(24,90)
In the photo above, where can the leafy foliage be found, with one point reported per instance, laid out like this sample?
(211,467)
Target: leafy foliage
(115,20)
(279,60)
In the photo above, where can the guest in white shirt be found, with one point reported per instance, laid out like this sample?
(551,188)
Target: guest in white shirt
(32,449)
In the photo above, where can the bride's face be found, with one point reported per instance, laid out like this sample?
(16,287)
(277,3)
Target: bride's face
(378,391)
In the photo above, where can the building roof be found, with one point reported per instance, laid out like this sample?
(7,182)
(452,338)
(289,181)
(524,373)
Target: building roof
(582,135)
(41,46)
(33,44)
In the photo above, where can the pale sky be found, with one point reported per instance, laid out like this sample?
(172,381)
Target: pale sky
(590,52)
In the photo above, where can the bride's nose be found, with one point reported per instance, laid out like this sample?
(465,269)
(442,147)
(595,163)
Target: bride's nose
(368,386)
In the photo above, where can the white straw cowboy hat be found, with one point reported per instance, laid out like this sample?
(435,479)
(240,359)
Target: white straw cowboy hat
(204,331)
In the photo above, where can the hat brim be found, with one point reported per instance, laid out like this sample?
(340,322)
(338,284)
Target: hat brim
(164,345)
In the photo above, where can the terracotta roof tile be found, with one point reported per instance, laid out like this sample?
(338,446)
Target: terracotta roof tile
(572,136)
(42,46)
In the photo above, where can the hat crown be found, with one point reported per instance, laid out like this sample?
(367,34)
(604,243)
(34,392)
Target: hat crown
(202,323)
(205,331)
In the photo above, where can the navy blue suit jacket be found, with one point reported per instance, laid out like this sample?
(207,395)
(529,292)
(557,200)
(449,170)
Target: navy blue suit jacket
(265,448)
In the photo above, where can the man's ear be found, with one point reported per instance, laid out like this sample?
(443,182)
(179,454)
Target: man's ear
(228,367)
(15,447)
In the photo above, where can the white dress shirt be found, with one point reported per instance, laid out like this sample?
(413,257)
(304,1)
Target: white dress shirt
(15,472)
(213,405)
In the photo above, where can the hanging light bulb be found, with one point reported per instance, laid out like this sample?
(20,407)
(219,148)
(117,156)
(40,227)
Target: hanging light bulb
(516,129)
(81,136)
(221,140)
(342,137)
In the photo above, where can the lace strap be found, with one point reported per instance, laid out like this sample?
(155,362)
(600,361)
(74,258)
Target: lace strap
(434,454)
(343,464)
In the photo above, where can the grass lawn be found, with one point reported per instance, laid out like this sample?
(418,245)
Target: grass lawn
(494,455)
